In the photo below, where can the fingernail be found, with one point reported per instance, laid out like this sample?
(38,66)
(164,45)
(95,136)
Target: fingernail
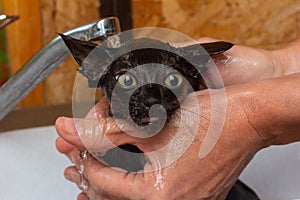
(68,126)
(68,177)
(71,175)
(58,122)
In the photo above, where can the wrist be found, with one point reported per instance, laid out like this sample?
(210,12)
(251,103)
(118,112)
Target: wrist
(273,108)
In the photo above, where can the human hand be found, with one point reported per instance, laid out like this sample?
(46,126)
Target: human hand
(262,115)
(242,64)
(158,182)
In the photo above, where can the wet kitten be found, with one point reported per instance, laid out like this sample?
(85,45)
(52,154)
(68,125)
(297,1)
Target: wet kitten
(165,78)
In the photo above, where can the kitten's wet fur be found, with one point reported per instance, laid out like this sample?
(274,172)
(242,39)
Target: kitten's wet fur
(103,70)
(104,73)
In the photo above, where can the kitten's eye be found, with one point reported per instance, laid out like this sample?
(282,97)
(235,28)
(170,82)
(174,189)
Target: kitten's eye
(126,80)
(173,80)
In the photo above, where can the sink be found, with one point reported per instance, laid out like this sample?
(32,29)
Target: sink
(32,169)
(274,173)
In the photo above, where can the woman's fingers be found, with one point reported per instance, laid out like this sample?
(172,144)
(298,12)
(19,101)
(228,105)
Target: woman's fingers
(95,135)
(82,196)
(108,181)
(66,129)
(85,133)
(116,183)
(101,109)
(62,146)
(72,174)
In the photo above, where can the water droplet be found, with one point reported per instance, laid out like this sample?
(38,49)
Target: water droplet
(113,42)
(159,184)
(83,156)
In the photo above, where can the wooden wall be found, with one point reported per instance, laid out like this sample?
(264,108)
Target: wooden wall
(39,22)
(260,23)
(24,40)
(59,16)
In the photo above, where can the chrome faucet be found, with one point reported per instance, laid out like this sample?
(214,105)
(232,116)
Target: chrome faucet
(47,59)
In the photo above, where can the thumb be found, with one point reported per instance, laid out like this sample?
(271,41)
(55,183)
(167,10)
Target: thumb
(66,129)
(88,133)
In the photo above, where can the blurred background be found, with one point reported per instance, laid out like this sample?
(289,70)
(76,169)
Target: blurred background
(259,23)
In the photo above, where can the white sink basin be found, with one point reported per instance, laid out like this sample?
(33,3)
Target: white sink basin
(32,169)
(274,173)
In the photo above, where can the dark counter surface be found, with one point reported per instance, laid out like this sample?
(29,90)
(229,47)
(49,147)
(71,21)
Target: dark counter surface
(34,117)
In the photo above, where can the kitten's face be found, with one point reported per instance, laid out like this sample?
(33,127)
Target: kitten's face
(142,78)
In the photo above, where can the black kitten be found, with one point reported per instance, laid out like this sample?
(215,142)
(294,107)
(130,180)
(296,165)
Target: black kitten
(165,77)
(133,77)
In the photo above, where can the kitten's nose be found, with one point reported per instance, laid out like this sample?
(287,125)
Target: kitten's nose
(152,94)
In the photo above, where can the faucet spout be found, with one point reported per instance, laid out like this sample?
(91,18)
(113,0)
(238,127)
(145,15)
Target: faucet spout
(47,59)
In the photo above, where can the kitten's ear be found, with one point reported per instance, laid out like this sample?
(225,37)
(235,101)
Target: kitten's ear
(214,48)
(211,48)
(92,59)
(79,49)
(200,56)
(196,55)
